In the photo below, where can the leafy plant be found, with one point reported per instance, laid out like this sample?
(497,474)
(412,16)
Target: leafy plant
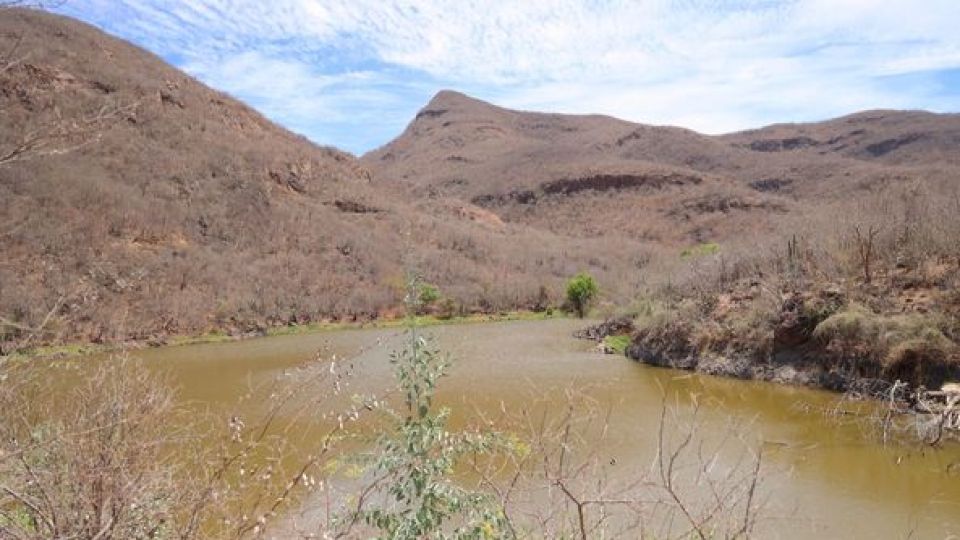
(412,492)
(581,289)
(427,295)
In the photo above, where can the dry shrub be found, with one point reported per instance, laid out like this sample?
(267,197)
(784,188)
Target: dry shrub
(666,330)
(928,328)
(910,348)
(561,484)
(118,456)
(693,327)
(750,331)
(93,466)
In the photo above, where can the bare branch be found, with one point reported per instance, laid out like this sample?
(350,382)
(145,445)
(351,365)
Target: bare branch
(62,136)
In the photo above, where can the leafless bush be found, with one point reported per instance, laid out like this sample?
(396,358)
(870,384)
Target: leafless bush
(866,244)
(900,414)
(62,135)
(561,484)
(119,457)
(90,467)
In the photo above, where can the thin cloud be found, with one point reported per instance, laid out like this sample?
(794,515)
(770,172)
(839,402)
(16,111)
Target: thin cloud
(352,72)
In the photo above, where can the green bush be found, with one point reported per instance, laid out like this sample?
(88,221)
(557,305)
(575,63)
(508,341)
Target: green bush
(429,294)
(581,289)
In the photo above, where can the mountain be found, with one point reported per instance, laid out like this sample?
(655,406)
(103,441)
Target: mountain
(146,205)
(597,176)
(178,209)
(137,203)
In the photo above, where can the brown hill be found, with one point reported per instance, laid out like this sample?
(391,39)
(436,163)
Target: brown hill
(136,202)
(599,176)
(183,207)
(147,204)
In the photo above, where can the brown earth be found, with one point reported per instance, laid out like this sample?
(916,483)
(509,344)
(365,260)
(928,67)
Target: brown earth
(167,207)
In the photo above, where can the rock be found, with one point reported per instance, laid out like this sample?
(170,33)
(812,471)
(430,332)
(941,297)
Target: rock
(604,349)
(950,388)
(792,329)
(834,381)
(740,368)
(610,327)
(642,353)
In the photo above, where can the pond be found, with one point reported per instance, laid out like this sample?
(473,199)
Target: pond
(830,479)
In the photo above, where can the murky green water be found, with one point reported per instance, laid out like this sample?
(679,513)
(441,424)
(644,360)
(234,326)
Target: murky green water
(826,481)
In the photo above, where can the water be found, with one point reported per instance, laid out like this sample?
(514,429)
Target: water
(827,479)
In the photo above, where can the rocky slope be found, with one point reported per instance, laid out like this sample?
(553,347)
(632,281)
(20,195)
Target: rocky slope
(596,176)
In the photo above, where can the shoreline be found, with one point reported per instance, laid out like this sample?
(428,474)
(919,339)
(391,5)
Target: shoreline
(80,349)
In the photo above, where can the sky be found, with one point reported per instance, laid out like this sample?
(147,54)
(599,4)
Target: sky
(353,73)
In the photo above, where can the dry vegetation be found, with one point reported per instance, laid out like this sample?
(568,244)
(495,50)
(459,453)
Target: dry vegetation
(117,455)
(562,485)
(852,297)
(827,246)
(606,179)
(156,207)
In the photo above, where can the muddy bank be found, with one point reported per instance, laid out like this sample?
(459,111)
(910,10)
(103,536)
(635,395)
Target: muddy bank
(919,388)
(814,340)
(788,368)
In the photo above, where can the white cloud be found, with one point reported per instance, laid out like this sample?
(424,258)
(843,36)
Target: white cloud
(712,65)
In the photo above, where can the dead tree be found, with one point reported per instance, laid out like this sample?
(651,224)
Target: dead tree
(866,247)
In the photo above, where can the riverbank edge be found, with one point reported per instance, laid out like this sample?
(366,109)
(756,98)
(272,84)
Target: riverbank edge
(794,366)
(79,349)
(788,372)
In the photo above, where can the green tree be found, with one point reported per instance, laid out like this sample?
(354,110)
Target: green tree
(428,295)
(581,289)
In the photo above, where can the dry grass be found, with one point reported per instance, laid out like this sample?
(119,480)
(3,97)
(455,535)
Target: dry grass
(855,325)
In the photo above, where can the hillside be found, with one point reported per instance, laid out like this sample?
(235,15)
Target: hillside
(596,176)
(154,206)
(136,203)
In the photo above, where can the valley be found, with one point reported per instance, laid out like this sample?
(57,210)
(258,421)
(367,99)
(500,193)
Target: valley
(211,326)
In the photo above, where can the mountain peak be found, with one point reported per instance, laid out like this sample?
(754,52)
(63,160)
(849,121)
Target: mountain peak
(451,100)
(446,97)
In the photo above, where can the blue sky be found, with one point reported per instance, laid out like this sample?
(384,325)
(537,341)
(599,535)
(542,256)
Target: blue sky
(352,73)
